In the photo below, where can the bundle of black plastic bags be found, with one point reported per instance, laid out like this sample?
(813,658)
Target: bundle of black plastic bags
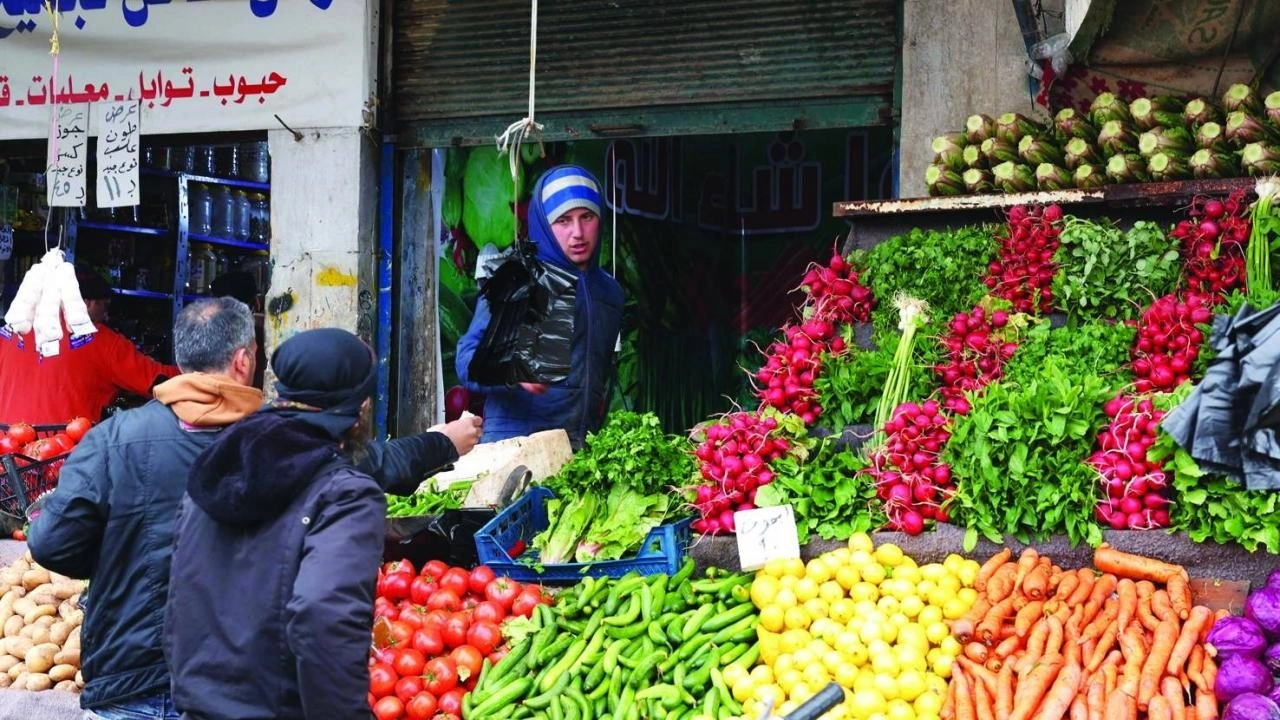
(1229,422)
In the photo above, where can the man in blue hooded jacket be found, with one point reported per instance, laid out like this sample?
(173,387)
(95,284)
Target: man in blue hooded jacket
(564,223)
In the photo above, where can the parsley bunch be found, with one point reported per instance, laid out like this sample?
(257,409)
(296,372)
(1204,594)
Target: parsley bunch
(941,267)
(1104,272)
(630,449)
(1091,348)
(828,494)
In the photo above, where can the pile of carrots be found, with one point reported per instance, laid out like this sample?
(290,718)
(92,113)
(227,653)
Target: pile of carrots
(1044,643)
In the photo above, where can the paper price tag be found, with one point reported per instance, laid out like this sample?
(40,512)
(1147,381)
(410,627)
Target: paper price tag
(68,153)
(766,534)
(118,127)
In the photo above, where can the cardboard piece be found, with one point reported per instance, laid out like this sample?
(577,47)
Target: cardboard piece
(491,465)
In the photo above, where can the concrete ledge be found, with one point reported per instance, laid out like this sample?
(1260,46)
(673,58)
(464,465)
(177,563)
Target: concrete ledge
(1202,560)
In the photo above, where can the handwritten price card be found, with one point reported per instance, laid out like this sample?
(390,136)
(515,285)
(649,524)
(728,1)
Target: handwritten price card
(68,153)
(118,125)
(766,534)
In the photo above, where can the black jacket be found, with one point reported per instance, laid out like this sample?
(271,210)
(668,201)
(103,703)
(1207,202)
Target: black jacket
(111,520)
(275,559)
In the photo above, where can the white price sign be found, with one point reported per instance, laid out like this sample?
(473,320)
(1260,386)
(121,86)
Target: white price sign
(68,154)
(118,126)
(766,534)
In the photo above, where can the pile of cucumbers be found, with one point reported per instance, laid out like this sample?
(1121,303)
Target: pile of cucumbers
(627,648)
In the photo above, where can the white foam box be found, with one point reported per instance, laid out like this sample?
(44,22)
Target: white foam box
(490,465)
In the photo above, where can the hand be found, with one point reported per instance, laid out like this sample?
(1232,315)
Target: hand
(535,388)
(464,432)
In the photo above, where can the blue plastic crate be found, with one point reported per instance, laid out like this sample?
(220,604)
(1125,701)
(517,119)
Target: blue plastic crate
(662,552)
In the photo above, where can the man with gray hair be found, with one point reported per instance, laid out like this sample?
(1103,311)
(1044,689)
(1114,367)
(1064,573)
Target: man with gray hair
(112,517)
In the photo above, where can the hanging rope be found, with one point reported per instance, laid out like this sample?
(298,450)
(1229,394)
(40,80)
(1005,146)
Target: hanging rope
(55,49)
(613,203)
(516,133)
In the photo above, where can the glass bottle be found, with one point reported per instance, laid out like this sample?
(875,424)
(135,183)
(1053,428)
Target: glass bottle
(200,202)
(259,218)
(243,215)
(255,162)
(223,213)
(204,163)
(195,269)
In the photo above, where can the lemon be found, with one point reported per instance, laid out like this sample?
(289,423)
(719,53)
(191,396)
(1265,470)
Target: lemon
(817,571)
(843,610)
(796,618)
(831,591)
(861,541)
(900,710)
(776,567)
(800,692)
(912,606)
(770,692)
(942,667)
(847,575)
(839,556)
(873,573)
(861,558)
(937,684)
(832,660)
(772,618)
(824,626)
(806,589)
(856,654)
(911,685)
(909,658)
(866,680)
(967,595)
(950,584)
(763,589)
(788,681)
(929,615)
(867,608)
(884,664)
(794,567)
(785,598)
(788,582)
(794,639)
(950,646)
(889,605)
(955,608)
(913,636)
(928,703)
(804,657)
(770,645)
(936,632)
(870,633)
(784,663)
(969,573)
(864,590)
(816,675)
(887,686)
(868,702)
(846,674)
(817,607)
(743,689)
(889,554)
(733,672)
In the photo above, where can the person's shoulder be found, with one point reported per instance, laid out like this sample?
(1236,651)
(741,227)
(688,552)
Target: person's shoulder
(608,287)
(342,476)
(140,423)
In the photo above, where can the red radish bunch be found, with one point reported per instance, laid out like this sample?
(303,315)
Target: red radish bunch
(1137,490)
(734,461)
(978,346)
(910,479)
(785,381)
(1213,243)
(835,294)
(1168,341)
(1023,272)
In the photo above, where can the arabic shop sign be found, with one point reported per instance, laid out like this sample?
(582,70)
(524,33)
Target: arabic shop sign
(195,65)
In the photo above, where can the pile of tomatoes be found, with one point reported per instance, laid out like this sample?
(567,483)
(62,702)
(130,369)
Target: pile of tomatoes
(21,438)
(433,631)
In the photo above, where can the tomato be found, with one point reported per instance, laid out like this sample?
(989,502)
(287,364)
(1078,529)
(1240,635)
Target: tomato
(435,620)
(469,603)
(456,579)
(19,535)
(421,707)
(64,441)
(8,445)
(496,656)
(395,586)
(451,702)
(395,566)
(387,611)
(485,637)
(446,600)
(455,630)
(480,578)
(489,611)
(389,708)
(42,449)
(78,427)
(441,675)
(435,568)
(369,698)
(422,588)
(408,687)
(382,680)
(525,602)
(22,433)
(381,656)
(469,660)
(409,662)
(427,641)
(401,633)
(503,591)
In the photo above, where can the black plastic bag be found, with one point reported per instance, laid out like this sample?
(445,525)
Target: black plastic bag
(530,334)
(448,536)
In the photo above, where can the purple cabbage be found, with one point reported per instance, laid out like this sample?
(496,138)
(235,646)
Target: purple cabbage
(1252,706)
(1272,659)
(1263,607)
(1275,694)
(1273,580)
(1241,674)
(1235,635)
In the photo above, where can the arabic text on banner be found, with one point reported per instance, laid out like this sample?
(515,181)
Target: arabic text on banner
(118,126)
(65,186)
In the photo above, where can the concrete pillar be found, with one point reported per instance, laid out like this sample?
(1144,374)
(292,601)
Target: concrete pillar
(323,233)
(958,58)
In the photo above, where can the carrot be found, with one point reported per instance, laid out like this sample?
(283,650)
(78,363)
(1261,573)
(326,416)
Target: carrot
(1179,589)
(1161,606)
(978,674)
(1079,708)
(976,651)
(1027,560)
(1153,667)
(1055,577)
(1084,586)
(1104,620)
(1123,564)
(1066,585)
(1127,590)
(1145,615)
(982,702)
(1065,689)
(964,695)
(1008,646)
(1221,613)
(994,663)
(1110,675)
(1030,692)
(948,710)
(1159,709)
(1004,691)
(989,568)
(1189,638)
(1096,697)
(1103,647)
(1102,590)
(1206,705)
(1172,691)
(1035,646)
(1053,644)
(1135,652)
(1002,585)
(990,626)
(1195,666)
(1120,707)
(1209,671)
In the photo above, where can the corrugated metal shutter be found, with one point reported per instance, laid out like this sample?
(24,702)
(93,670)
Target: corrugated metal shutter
(641,67)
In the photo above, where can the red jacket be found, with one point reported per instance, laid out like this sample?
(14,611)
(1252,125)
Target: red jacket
(80,380)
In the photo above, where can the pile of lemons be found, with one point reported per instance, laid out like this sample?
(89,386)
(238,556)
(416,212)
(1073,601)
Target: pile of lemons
(866,617)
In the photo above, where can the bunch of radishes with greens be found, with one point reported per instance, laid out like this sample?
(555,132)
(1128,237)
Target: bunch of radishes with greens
(733,459)
(1136,489)
(1024,271)
(978,345)
(1213,244)
(909,477)
(1169,341)
(835,293)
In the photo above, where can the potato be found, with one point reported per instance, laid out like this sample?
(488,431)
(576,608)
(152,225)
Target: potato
(35,577)
(5,680)
(18,646)
(35,634)
(18,670)
(20,682)
(40,658)
(67,657)
(74,617)
(47,621)
(67,590)
(13,626)
(43,595)
(39,682)
(11,576)
(59,632)
(67,686)
(80,678)
(58,673)
(73,639)
(39,612)
(23,605)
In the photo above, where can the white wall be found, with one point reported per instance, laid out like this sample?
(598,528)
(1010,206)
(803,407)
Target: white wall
(958,58)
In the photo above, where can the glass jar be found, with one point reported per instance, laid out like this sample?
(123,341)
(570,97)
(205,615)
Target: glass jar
(259,266)
(259,218)
(223,217)
(228,160)
(200,202)
(255,162)
(204,164)
(243,212)
(184,158)
(196,282)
